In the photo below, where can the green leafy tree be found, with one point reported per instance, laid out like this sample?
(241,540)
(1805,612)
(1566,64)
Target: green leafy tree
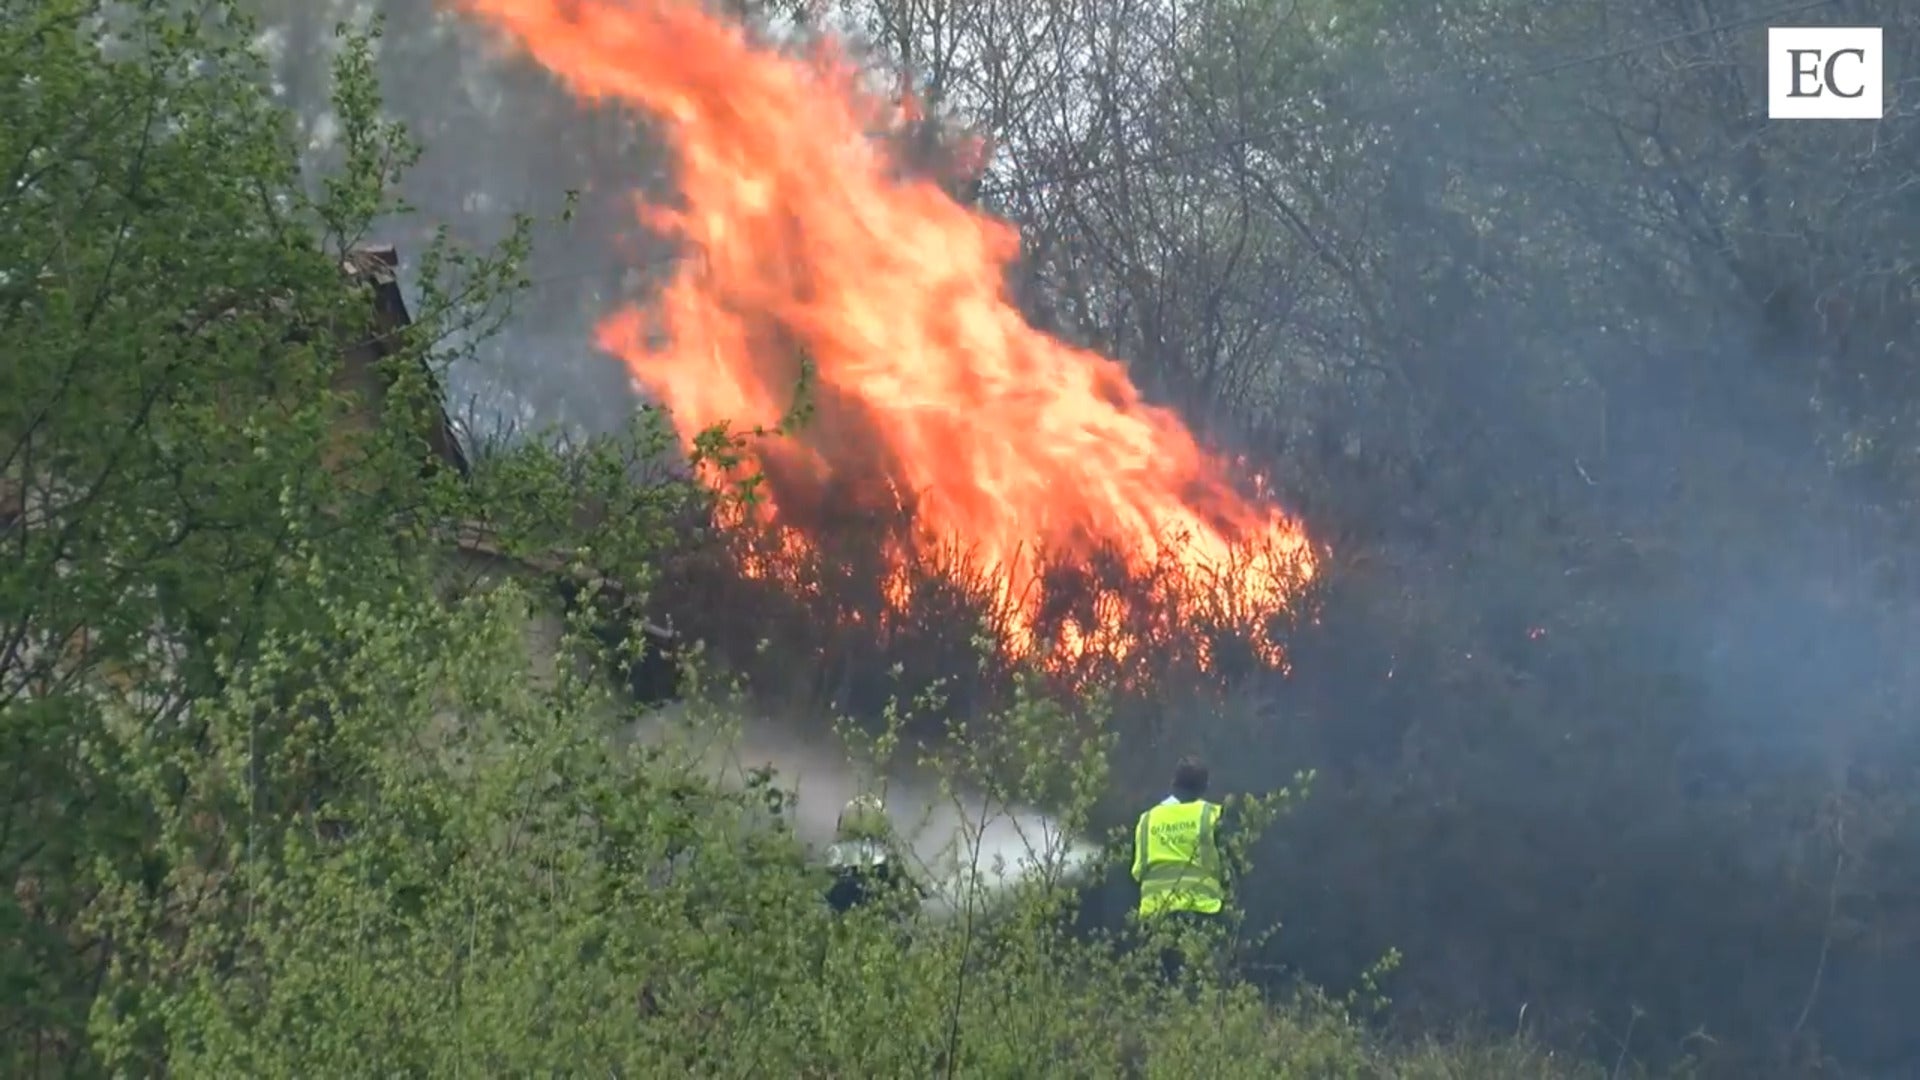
(213,468)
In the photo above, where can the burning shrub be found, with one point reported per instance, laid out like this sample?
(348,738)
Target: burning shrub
(846,612)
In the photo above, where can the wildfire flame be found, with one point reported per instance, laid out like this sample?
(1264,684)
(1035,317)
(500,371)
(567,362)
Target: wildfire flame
(801,238)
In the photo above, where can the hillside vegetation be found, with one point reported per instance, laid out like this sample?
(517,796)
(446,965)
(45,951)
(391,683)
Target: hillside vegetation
(284,796)
(1603,406)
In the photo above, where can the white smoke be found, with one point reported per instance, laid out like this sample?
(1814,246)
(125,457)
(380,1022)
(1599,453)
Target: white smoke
(968,848)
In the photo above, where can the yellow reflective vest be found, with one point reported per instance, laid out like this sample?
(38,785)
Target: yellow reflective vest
(1175,859)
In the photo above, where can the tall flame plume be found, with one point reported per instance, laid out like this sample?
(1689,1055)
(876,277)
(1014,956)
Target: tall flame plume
(802,238)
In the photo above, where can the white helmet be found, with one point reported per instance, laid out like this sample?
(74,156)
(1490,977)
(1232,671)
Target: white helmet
(864,818)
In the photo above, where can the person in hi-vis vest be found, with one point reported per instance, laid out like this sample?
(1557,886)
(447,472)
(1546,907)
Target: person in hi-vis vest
(1176,860)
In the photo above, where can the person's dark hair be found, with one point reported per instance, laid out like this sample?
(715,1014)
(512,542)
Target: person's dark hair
(1190,777)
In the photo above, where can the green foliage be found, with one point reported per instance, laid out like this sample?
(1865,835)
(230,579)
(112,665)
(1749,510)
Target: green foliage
(280,802)
(203,530)
(1578,364)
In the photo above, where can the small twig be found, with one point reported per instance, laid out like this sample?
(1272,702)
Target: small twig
(1826,937)
(1626,1043)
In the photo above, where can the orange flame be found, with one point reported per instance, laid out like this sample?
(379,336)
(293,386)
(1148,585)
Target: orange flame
(802,238)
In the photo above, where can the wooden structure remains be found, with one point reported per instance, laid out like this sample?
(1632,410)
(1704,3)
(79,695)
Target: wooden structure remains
(378,268)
